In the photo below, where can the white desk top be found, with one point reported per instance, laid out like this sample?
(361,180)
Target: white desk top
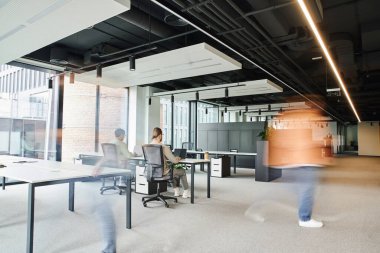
(190,161)
(222,153)
(35,170)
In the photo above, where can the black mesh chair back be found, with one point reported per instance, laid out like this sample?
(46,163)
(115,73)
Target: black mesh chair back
(153,154)
(111,159)
(155,163)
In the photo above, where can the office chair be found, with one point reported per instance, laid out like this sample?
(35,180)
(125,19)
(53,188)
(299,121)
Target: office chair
(111,159)
(188,145)
(155,164)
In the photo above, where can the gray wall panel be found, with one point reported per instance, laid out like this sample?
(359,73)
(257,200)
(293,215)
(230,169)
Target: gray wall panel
(223,141)
(234,140)
(202,140)
(246,141)
(212,140)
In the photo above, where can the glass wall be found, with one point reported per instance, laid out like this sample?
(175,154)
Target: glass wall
(166,120)
(207,113)
(25,111)
(180,124)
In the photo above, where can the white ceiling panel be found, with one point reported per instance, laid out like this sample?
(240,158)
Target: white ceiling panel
(29,25)
(277,106)
(263,86)
(195,60)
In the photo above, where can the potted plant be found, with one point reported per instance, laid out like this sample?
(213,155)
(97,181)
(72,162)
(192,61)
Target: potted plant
(262,172)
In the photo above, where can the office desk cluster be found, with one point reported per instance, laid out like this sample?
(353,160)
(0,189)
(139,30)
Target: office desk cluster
(37,173)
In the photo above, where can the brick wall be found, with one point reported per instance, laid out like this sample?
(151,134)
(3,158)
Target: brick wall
(78,133)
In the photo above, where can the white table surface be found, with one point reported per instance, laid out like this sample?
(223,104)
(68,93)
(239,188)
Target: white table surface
(222,153)
(190,161)
(35,170)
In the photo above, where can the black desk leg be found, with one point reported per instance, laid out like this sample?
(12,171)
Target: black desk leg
(3,183)
(71,196)
(234,164)
(202,164)
(30,219)
(208,179)
(192,182)
(128,195)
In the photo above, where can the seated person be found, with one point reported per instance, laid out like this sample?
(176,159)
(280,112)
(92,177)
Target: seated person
(122,150)
(178,172)
(122,147)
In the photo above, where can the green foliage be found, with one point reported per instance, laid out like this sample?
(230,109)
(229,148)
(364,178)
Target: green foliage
(264,135)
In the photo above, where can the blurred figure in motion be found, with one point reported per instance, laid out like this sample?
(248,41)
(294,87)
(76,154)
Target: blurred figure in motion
(291,146)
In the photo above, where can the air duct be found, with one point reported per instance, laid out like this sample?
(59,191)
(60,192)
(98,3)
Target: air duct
(141,20)
(344,50)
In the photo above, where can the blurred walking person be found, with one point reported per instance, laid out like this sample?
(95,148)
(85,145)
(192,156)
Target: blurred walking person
(291,146)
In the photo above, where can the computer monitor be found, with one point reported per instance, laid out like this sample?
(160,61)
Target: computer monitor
(138,150)
(181,152)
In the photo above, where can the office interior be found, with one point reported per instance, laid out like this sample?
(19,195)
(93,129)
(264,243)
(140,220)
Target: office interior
(213,75)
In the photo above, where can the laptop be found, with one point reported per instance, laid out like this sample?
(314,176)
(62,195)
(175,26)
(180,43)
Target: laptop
(181,152)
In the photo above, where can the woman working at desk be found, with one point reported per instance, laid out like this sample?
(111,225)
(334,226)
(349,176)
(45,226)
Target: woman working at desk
(178,173)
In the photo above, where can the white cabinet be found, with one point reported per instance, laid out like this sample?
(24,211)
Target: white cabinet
(142,185)
(220,167)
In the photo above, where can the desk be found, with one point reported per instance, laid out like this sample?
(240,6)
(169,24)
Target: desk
(41,173)
(234,154)
(194,162)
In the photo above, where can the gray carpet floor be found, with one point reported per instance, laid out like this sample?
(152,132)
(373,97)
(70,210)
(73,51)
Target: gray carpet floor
(241,216)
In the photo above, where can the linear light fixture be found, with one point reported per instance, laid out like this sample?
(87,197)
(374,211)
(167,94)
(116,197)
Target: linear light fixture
(327,54)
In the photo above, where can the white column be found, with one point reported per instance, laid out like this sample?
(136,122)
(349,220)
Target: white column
(142,116)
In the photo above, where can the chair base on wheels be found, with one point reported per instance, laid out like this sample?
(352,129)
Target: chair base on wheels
(115,187)
(158,197)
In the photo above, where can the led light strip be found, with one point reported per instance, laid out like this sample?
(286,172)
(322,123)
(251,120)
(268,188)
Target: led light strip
(327,54)
(242,56)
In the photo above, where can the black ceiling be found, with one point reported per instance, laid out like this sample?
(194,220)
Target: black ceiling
(271,33)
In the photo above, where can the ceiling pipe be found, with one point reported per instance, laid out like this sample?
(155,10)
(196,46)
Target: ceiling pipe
(262,33)
(232,37)
(147,44)
(244,57)
(141,20)
(267,62)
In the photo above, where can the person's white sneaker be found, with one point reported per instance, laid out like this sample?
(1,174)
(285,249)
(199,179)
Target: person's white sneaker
(176,192)
(310,224)
(186,194)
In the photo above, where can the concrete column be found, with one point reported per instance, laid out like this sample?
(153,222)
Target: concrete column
(142,116)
